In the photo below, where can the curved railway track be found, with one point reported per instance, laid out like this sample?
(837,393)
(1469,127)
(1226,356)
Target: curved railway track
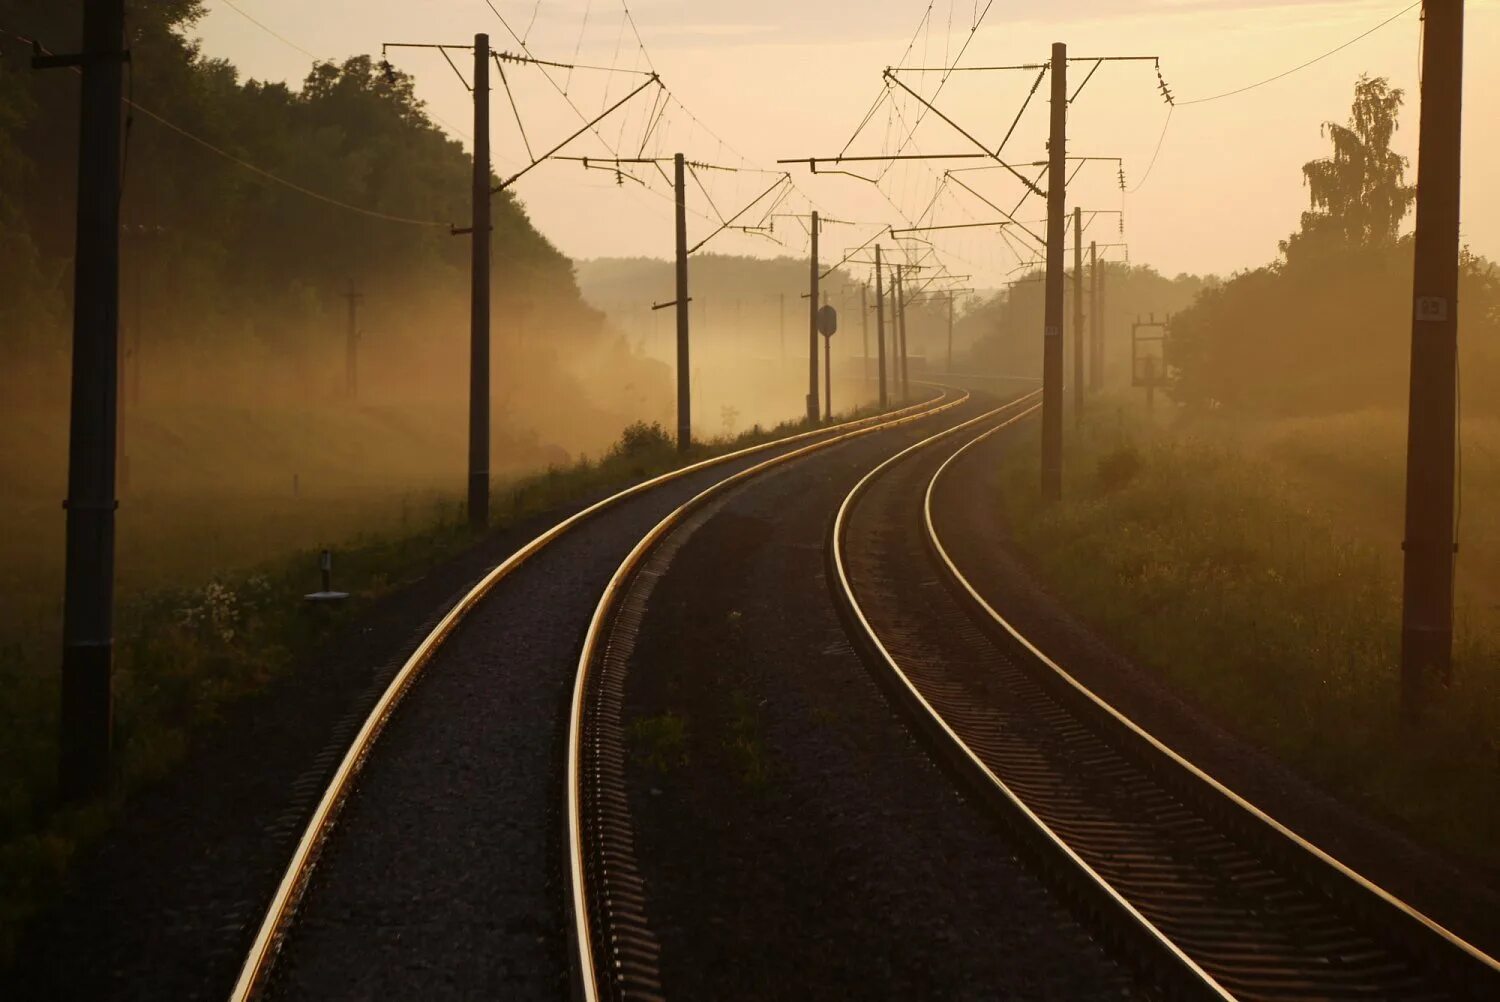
(280,913)
(1208,895)
(614,951)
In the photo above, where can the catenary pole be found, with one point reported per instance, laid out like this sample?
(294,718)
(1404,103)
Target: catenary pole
(901,332)
(479,318)
(1096,356)
(782,300)
(950,333)
(684,373)
(1430,546)
(1052,340)
(864,331)
(827,373)
(880,328)
(1103,313)
(1077,315)
(86,711)
(812,327)
(351,342)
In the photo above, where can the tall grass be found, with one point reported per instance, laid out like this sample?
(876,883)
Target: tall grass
(185,654)
(1238,585)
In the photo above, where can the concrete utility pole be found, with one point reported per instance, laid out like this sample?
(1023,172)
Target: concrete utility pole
(827,372)
(351,343)
(479,317)
(950,334)
(812,328)
(684,373)
(1096,352)
(880,327)
(1103,314)
(86,712)
(1077,316)
(1052,342)
(1427,584)
(901,332)
(864,328)
(782,298)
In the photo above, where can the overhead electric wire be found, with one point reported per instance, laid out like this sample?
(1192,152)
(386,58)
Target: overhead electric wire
(319,59)
(886,88)
(590,125)
(294,186)
(638,39)
(247,165)
(270,31)
(1155,153)
(943,82)
(535,10)
(660,111)
(582,28)
(500,68)
(699,182)
(748,206)
(1303,66)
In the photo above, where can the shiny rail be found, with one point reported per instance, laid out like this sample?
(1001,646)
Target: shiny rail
(614,956)
(280,911)
(1211,896)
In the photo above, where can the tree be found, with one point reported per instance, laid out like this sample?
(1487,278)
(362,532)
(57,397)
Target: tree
(1359,195)
(1328,328)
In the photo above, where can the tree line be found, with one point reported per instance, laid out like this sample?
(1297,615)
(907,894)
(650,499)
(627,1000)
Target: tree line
(227,254)
(1324,327)
(1327,325)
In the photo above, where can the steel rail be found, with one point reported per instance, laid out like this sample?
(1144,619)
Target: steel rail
(1190,976)
(258,960)
(587,973)
(1356,885)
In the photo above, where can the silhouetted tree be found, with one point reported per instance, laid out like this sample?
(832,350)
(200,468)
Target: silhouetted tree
(1359,194)
(1328,327)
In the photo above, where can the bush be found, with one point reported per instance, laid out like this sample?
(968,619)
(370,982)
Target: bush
(640,439)
(1117,468)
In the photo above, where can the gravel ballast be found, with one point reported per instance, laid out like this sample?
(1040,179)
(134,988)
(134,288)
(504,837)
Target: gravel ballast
(795,840)
(1462,897)
(443,877)
(167,904)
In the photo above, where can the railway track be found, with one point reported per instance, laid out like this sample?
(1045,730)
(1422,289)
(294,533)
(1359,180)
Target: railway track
(278,922)
(615,954)
(1207,895)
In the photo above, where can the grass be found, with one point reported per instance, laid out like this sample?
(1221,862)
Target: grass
(186,653)
(1200,554)
(745,743)
(660,741)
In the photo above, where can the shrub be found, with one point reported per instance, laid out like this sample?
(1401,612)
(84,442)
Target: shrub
(1118,467)
(640,439)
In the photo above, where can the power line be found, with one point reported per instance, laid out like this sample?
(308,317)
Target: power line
(319,59)
(1303,66)
(638,40)
(270,31)
(943,81)
(1157,152)
(247,165)
(294,186)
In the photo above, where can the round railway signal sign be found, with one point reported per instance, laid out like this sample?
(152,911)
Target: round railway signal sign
(828,320)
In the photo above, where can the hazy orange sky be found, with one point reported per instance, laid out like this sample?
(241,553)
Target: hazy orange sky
(792,78)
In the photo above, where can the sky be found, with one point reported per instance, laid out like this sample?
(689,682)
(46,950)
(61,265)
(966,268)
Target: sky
(752,83)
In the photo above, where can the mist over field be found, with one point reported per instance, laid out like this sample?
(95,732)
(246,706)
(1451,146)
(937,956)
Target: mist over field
(294,333)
